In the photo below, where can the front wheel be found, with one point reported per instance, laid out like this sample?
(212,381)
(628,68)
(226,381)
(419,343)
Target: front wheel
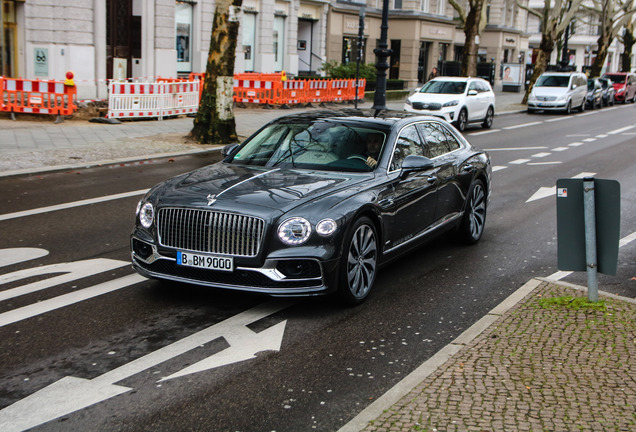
(474,220)
(487,124)
(582,107)
(568,108)
(462,120)
(359,262)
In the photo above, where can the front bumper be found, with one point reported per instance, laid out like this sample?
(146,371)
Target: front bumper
(547,105)
(287,276)
(447,114)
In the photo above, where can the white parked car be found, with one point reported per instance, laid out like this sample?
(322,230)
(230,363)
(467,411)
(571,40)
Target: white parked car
(457,100)
(558,91)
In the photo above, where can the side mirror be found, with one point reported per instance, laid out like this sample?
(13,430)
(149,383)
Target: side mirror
(414,163)
(229,149)
(472,92)
(573,86)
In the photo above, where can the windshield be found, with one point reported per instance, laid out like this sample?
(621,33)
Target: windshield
(325,145)
(552,81)
(444,87)
(618,79)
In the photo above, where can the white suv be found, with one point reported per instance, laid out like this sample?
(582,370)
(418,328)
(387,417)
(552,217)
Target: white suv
(457,100)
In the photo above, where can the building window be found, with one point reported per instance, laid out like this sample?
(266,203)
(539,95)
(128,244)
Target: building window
(424,6)
(441,7)
(279,43)
(248,26)
(350,50)
(183,23)
(397,4)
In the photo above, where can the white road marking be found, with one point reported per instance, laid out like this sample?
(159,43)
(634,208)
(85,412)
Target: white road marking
(621,130)
(18,255)
(541,155)
(39,308)
(559,119)
(545,163)
(72,394)
(48,209)
(522,125)
(71,271)
(602,136)
(485,132)
(560,149)
(498,168)
(519,161)
(575,144)
(589,139)
(515,148)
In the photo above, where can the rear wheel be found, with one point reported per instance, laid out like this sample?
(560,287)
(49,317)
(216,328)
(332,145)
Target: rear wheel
(490,115)
(582,107)
(359,263)
(474,220)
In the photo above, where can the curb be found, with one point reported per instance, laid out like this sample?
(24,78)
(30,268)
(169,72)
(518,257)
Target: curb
(402,388)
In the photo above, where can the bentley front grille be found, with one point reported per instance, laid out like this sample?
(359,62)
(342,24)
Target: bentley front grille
(210,231)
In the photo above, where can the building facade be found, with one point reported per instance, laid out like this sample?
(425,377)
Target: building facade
(100,40)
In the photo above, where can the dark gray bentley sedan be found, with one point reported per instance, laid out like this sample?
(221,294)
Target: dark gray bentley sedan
(314,203)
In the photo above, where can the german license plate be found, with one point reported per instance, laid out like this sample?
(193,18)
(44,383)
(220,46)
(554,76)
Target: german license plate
(210,262)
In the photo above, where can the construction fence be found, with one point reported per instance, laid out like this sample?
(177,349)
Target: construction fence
(19,95)
(169,96)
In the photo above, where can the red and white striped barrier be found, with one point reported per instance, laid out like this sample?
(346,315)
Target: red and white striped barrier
(144,100)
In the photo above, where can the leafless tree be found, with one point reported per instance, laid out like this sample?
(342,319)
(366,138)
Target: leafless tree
(215,122)
(474,21)
(555,16)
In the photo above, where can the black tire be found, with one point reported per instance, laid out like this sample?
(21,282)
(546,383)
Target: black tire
(462,120)
(472,226)
(568,107)
(490,115)
(359,262)
(531,110)
(582,107)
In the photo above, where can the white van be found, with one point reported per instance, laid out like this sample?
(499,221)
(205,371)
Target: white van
(558,91)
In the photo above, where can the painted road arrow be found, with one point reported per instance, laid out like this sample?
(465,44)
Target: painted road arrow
(545,192)
(71,394)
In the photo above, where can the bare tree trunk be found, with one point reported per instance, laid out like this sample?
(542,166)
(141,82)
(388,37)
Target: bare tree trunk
(628,42)
(604,41)
(471,30)
(215,123)
(545,50)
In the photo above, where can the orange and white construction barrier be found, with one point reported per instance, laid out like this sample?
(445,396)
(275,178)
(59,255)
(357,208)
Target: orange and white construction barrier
(19,95)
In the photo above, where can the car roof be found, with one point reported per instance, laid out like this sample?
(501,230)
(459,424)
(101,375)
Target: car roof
(451,78)
(385,118)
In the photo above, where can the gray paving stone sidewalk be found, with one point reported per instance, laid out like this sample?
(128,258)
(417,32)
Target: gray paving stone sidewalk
(551,363)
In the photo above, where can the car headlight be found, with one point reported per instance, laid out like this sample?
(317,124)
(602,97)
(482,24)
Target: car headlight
(620,90)
(326,227)
(146,214)
(562,97)
(294,231)
(451,103)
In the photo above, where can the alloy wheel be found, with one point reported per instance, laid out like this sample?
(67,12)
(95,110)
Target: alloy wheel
(362,260)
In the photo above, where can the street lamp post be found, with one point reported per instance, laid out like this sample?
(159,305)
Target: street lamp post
(382,53)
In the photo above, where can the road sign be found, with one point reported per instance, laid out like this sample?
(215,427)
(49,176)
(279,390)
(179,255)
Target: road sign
(571,231)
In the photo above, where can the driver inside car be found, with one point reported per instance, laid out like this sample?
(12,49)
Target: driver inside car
(374,145)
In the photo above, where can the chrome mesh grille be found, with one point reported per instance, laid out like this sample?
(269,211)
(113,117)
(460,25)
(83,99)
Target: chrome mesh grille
(210,231)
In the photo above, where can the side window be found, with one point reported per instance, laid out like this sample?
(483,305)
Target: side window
(408,143)
(436,140)
(451,140)
(473,86)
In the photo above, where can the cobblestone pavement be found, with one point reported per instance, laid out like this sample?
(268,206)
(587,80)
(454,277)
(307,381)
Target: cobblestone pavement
(550,363)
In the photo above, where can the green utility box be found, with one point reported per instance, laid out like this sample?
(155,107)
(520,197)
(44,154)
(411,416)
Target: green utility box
(571,224)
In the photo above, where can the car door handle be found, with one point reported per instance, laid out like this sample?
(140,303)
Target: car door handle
(467,168)
(431,179)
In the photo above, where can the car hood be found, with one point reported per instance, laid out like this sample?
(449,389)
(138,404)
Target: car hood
(255,190)
(434,97)
(549,91)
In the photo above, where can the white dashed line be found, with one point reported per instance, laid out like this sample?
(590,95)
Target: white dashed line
(498,168)
(522,125)
(589,139)
(520,161)
(541,155)
(575,144)
(617,131)
(545,163)
(560,149)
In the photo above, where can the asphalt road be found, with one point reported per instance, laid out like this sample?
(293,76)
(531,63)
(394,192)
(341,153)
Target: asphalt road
(118,346)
